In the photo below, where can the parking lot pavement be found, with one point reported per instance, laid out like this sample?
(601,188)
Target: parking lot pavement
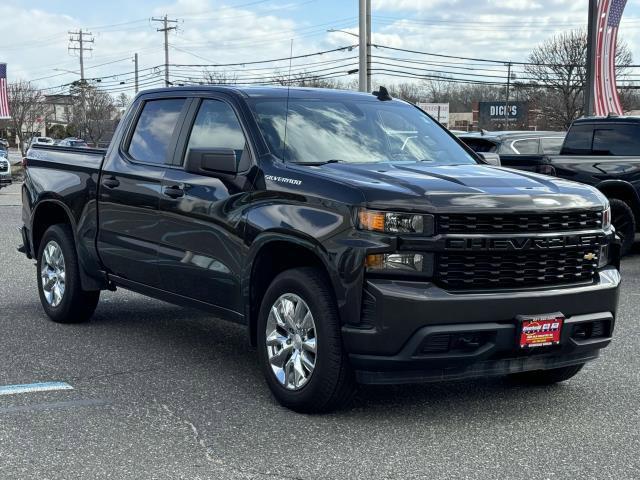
(165,392)
(10,196)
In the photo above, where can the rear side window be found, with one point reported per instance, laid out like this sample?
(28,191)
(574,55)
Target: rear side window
(153,132)
(620,140)
(551,145)
(217,126)
(479,145)
(578,141)
(528,146)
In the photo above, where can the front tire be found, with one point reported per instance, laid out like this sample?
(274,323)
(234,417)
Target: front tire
(300,345)
(624,221)
(546,377)
(59,286)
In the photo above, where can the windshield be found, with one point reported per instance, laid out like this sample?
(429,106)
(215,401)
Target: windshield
(354,131)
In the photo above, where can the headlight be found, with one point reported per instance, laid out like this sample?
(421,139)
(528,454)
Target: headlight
(400,263)
(606,218)
(394,222)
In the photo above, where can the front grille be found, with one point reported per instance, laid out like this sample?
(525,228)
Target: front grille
(4,166)
(520,223)
(512,270)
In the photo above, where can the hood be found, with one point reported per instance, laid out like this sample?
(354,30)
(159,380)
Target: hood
(420,187)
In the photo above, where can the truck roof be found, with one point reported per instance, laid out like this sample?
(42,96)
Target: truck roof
(268,91)
(609,119)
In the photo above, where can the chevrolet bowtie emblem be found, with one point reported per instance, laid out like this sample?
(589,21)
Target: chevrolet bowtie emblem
(590,256)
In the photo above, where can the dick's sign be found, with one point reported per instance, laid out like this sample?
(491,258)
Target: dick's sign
(494,115)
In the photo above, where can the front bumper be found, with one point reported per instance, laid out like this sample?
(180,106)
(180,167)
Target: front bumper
(5,179)
(416,331)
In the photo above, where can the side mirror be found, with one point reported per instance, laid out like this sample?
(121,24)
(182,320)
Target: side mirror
(208,161)
(490,158)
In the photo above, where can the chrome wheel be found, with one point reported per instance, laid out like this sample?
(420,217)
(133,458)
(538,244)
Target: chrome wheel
(52,273)
(291,341)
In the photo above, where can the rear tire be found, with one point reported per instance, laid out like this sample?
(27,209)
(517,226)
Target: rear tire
(58,274)
(327,381)
(546,377)
(624,221)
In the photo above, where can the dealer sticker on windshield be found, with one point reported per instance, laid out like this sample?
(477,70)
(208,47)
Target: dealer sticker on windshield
(540,330)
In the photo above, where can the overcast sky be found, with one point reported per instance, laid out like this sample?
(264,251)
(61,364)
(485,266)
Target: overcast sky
(34,33)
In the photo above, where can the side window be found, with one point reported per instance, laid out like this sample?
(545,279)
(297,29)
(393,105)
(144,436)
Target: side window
(578,141)
(620,140)
(527,146)
(217,126)
(551,145)
(153,132)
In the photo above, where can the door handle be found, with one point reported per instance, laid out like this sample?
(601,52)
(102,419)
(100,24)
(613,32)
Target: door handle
(111,182)
(173,192)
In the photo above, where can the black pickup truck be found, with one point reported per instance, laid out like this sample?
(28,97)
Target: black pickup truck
(599,151)
(354,236)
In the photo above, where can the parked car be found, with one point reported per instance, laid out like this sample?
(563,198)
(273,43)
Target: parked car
(37,141)
(364,244)
(515,142)
(603,152)
(4,143)
(73,142)
(5,170)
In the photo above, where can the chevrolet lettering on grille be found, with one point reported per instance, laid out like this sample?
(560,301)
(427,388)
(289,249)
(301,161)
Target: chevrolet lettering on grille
(523,243)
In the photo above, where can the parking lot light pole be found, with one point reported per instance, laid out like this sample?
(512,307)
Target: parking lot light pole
(506,102)
(363,40)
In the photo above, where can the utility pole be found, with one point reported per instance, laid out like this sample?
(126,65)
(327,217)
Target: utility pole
(135,63)
(506,102)
(592,33)
(362,47)
(165,22)
(368,14)
(80,38)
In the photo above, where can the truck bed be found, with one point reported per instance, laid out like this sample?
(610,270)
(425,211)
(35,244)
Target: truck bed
(68,177)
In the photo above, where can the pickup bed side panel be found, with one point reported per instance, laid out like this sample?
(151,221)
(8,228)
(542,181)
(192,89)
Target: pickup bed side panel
(66,178)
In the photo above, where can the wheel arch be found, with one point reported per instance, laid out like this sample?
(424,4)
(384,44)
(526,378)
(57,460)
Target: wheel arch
(47,213)
(272,253)
(624,191)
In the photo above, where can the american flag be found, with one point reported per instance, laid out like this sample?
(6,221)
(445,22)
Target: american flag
(609,16)
(4,100)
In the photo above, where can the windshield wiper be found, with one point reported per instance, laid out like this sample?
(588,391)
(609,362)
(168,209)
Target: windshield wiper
(315,164)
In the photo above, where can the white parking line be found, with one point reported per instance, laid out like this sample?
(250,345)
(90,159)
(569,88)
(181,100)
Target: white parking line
(34,387)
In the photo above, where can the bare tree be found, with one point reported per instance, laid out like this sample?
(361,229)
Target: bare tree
(219,78)
(559,66)
(93,112)
(26,105)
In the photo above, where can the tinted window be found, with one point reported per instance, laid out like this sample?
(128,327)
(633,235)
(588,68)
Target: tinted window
(578,141)
(528,146)
(354,130)
(216,126)
(551,145)
(620,139)
(480,145)
(157,121)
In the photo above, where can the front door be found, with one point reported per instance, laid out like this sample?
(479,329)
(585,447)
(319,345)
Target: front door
(202,246)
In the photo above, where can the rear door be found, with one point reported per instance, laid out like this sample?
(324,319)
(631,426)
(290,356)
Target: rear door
(201,216)
(129,196)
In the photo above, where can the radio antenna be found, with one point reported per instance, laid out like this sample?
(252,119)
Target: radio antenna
(286,114)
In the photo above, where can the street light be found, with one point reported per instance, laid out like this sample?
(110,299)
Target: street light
(367,70)
(65,70)
(332,30)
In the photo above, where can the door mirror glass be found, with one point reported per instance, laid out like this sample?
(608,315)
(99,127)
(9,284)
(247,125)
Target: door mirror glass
(210,161)
(490,158)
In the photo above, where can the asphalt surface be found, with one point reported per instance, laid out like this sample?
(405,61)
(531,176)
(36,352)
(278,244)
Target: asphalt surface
(161,392)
